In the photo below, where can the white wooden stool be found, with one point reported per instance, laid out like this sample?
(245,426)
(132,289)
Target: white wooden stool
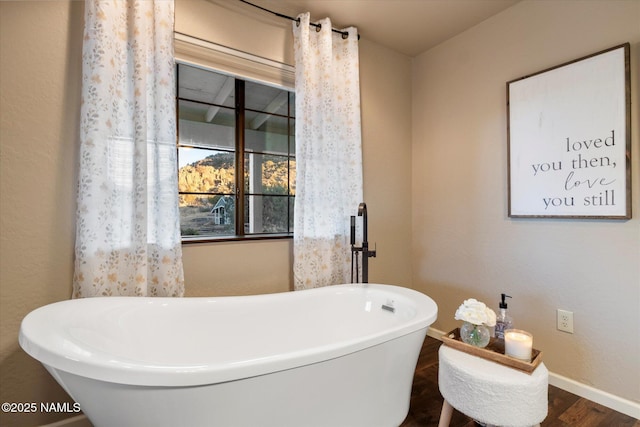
(490,393)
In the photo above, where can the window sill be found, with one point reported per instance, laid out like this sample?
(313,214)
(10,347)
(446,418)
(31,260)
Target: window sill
(188,240)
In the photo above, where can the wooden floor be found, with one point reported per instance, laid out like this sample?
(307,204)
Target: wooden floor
(565,409)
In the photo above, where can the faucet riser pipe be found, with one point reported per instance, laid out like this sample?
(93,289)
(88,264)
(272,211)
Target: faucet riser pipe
(366,253)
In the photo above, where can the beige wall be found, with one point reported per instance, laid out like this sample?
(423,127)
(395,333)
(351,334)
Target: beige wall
(386,154)
(464,245)
(40,47)
(39,76)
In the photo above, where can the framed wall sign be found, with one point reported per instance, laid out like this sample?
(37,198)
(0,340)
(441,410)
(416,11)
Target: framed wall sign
(569,139)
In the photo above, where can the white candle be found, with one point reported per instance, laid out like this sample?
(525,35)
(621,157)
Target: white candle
(518,344)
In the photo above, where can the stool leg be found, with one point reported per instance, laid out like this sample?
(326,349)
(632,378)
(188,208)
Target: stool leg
(445,414)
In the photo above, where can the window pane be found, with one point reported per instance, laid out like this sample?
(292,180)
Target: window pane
(266,174)
(292,177)
(267,214)
(292,137)
(205,125)
(291,205)
(206,171)
(292,104)
(206,86)
(266,99)
(266,133)
(207,215)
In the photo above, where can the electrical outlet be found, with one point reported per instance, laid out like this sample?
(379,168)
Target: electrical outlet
(565,321)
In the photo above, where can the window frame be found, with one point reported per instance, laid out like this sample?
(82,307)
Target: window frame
(219,59)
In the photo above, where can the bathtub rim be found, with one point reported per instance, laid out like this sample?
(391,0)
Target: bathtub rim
(190,375)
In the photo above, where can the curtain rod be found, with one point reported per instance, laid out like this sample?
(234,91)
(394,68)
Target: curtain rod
(344,34)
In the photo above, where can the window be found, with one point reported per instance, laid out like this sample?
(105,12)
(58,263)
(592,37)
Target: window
(236,157)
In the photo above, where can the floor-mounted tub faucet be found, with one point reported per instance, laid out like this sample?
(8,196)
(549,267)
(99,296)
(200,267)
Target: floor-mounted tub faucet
(366,253)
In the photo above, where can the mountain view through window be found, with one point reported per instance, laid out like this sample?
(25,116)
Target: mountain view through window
(228,125)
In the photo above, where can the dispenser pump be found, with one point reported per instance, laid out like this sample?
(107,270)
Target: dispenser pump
(503,320)
(503,303)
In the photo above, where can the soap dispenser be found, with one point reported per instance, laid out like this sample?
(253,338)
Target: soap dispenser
(503,320)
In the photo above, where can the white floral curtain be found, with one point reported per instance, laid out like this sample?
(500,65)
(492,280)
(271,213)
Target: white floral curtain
(328,152)
(128,232)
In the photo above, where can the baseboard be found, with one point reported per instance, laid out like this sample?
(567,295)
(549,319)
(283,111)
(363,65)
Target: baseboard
(603,398)
(609,400)
(435,333)
(77,421)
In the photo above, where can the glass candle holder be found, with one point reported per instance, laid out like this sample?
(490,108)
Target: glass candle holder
(518,344)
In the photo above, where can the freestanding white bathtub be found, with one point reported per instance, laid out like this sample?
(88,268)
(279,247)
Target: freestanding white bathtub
(329,357)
